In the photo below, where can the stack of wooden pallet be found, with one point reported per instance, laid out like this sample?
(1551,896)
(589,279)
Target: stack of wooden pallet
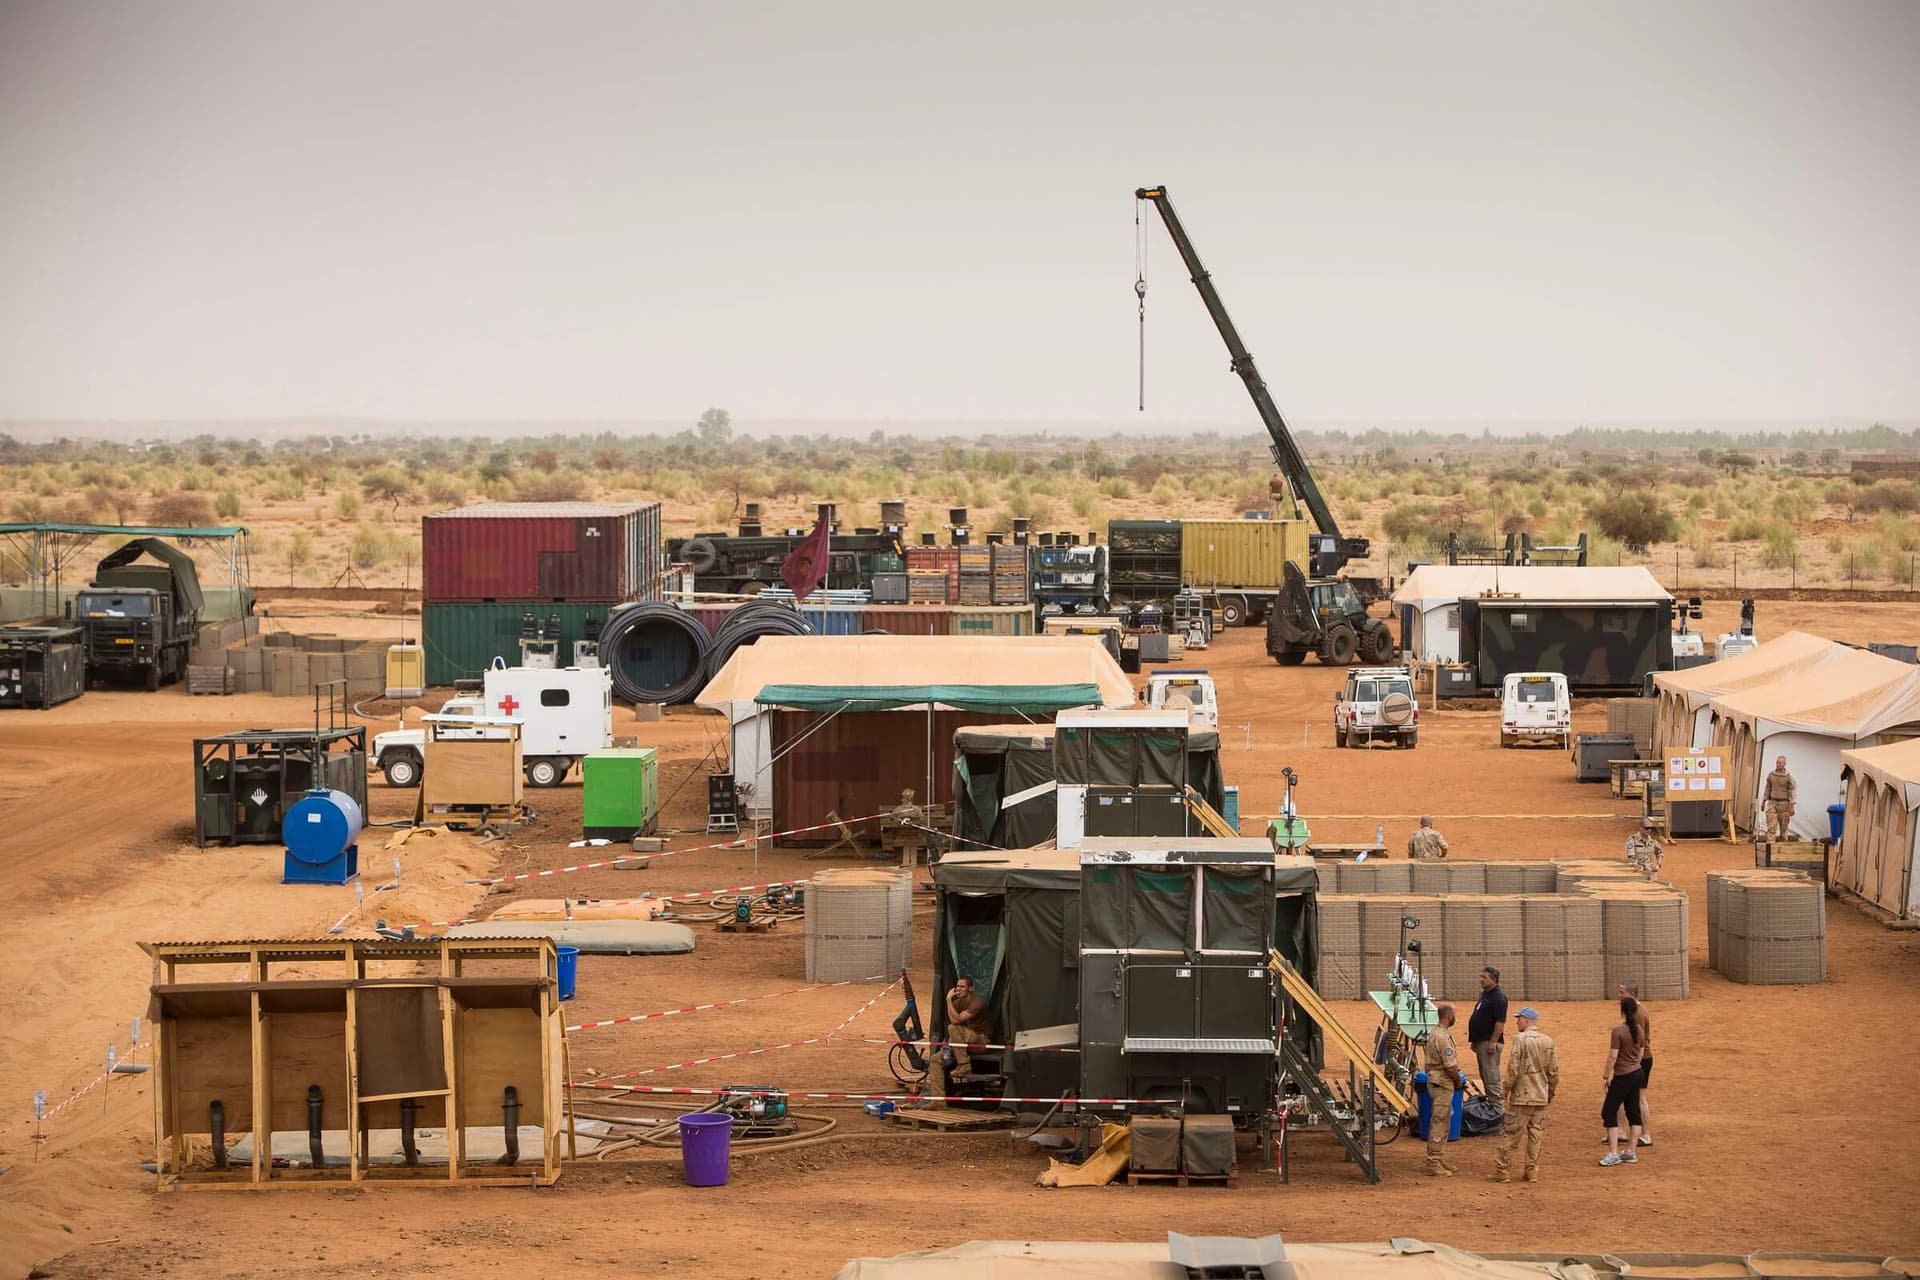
(209,678)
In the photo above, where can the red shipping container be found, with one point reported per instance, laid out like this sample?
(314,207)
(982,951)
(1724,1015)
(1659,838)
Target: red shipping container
(541,552)
(906,619)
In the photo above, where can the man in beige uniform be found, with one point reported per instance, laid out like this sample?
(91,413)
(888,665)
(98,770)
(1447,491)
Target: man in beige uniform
(1779,795)
(1426,843)
(1533,1077)
(1443,1077)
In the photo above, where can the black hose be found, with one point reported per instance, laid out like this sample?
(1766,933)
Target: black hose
(510,1120)
(314,1147)
(658,622)
(751,622)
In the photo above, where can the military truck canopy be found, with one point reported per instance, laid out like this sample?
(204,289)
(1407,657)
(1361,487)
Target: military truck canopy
(186,579)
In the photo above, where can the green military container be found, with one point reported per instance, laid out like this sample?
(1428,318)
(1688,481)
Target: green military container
(620,792)
(462,640)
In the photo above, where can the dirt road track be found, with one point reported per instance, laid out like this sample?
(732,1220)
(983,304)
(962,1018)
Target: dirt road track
(1782,1114)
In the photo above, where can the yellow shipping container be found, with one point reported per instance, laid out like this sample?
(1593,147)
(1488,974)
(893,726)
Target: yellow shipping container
(1240,553)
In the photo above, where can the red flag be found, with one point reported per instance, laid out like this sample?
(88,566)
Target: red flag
(806,566)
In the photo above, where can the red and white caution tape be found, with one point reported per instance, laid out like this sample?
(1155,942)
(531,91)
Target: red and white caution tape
(863,1008)
(88,1087)
(834,1095)
(962,1044)
(735,843)
(718,1004)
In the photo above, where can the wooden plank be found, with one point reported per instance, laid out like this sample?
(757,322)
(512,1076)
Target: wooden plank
(450,1064)
(950,1121)
(1184,1179)
(356,1134)
(262,1095)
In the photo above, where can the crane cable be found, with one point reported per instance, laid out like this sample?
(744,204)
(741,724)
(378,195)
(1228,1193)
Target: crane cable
(1140,292)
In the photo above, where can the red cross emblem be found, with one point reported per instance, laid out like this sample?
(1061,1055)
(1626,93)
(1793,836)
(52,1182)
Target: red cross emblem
(508,706)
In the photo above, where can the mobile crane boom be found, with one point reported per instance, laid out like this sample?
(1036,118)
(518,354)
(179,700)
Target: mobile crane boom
(1286,451)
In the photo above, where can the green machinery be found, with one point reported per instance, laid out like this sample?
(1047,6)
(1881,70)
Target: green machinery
(620,792)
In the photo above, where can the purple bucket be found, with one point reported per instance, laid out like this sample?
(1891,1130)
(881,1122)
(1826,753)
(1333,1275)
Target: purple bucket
(705,1142)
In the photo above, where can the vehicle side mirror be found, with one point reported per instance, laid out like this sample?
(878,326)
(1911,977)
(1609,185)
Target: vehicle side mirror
(1339,696)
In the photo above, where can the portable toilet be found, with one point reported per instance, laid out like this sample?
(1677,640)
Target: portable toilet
(406,671)
(620,792)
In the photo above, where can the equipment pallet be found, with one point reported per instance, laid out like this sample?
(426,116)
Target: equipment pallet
(1186,1179)
(948,1121)
(759,924)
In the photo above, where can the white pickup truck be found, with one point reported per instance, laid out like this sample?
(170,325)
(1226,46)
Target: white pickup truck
(565,712)
(1172,689)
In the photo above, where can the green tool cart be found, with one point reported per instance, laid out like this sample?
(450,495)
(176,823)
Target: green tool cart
(620,792)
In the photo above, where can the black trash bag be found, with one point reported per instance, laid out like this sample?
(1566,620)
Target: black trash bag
(1480,1116)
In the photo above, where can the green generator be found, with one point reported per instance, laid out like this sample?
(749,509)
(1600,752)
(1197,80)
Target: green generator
(620,793)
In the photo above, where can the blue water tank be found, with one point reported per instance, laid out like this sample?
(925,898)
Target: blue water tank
(321,833)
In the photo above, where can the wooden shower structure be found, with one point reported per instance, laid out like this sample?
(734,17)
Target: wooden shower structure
(357,1036)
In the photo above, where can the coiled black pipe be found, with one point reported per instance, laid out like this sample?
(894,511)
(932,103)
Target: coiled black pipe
(750,622)
(662,624)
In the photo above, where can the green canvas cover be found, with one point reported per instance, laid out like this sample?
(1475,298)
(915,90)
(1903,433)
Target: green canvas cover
(985,697)
(1604,646)
(992,763)
(186,581)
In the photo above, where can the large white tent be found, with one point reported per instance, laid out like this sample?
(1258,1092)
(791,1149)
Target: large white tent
(1854,699)
(1429,599)
(1880,847)
(1686,718)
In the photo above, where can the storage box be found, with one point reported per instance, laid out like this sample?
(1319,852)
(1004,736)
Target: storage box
(1206,1147)
(1156,1144)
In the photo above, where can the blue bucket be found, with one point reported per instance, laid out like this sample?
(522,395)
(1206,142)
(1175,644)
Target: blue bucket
(1836,822)
(706,1141)
(566,964)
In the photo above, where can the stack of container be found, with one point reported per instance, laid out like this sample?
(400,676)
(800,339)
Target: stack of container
(976,576)
(490,567)
(933,575)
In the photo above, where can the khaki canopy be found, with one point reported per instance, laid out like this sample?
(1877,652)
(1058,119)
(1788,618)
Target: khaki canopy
(1683,693)
(1881,843)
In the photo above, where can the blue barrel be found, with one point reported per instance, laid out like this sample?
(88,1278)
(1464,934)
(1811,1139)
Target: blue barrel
(1230,808)
(1425,1105)
(1836,822)
(566,970)
(321,833)
(706,1141)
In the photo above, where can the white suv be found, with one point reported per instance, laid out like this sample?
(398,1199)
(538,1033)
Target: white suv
(1378,703)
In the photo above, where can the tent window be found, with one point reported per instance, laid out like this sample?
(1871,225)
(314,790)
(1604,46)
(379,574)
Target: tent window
(1520,622)
(1453,617)
(1233,909)
(1161,910)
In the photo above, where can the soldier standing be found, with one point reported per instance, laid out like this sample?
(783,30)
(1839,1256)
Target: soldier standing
(1533,1077)
(1779,791)
(1443,1077)
(1426,843)
(1643,849)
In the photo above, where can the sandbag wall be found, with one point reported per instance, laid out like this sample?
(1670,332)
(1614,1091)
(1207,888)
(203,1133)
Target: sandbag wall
(1767,926)
(234,657)
(1553,935)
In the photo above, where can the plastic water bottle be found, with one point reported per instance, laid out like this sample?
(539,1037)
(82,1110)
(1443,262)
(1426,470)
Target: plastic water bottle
(1380,834)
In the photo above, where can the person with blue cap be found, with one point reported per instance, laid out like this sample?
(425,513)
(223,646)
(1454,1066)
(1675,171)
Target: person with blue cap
(1532,1078)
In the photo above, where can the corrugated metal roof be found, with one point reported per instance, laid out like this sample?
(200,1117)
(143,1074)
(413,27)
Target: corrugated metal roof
(525,510)
(1542,584)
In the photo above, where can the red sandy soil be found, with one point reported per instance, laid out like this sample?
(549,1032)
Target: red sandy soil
(1782,1115)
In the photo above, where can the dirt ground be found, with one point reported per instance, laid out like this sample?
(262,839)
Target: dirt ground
(1782,1115)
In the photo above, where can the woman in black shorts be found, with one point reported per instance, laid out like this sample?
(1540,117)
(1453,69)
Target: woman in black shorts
(1626,1046)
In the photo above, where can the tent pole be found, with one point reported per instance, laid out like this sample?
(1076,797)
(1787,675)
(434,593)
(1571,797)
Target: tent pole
(926,800)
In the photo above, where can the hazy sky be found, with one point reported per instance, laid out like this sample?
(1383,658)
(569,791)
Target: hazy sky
(432,210)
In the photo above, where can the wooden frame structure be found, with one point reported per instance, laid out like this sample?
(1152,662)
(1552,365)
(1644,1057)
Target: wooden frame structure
(393,1029)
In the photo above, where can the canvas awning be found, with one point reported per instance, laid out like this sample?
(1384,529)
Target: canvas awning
(1534,584)
(1771,660)
(1896,765)
(978,673)
(1853,694)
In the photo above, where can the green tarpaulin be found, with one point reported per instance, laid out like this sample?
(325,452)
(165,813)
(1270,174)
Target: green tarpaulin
(960,697)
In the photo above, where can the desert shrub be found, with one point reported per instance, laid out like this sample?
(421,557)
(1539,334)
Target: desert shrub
(1116,487)
(347,505)
(1633,521)
(1898,532)
(1748,528)
(558,486)
(227,505)
(1705,550)
(181,508)
(1888,495)
(1781,549)
(373,546)
(446,491)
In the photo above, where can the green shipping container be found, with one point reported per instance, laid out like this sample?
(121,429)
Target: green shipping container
(620,792)
(462,640)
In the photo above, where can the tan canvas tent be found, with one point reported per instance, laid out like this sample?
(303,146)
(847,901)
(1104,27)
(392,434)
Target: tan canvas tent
(1881,844)
(1684,717)
(1402,1259)
(1846,702)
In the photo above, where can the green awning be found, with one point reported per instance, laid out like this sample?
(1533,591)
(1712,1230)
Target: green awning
(960,697)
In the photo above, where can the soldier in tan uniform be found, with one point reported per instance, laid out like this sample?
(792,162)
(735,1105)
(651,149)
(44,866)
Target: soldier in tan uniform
(1533,1077)
(1778,791)
(1426,843)
(1643,849)
(1443,1077)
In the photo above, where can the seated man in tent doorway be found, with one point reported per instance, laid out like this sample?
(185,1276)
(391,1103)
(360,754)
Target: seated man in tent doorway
(967,1023)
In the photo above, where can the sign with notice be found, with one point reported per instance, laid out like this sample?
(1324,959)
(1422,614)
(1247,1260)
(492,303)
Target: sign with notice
(1698,782)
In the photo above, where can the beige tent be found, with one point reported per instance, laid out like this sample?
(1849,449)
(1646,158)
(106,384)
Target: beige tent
(1846,702)
(1684,695)
(1402,1259)
(1880,847)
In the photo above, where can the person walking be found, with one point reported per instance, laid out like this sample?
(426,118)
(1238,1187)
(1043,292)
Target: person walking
(1426,844)
(1630,989)
(1443,1077)
(1487,1030)
(1779,791)
(1643,849)
(1533,1077)
(1622,1081)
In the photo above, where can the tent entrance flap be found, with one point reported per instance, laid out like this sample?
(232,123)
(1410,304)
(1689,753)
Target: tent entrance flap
(1037,698)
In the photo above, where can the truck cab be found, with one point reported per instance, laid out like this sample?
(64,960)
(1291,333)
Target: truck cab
(1191,690)
(129,633)
(565,713)
(1377,704)
(1534,707)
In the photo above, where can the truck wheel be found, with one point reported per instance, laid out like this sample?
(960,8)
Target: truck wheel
(1233,611)
(1339,648)
(402,769)
(1290,657)
(545,772)
(152,677)
(1379,645)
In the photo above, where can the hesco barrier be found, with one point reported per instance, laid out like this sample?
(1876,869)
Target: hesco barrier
(462,640)
(1556,931)
(1767,926)
(859,922)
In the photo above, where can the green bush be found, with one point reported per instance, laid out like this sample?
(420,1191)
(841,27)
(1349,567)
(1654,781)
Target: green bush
(347,505)
(227,505)
(1631,520)
(1888,495)
(1781,549)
